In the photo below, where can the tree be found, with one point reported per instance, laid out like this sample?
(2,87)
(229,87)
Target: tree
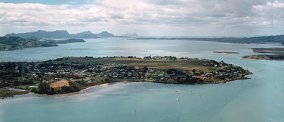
(43,88)
(193,71)
(74,87)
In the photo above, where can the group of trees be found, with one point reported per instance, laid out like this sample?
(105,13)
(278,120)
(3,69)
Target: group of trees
(44,88)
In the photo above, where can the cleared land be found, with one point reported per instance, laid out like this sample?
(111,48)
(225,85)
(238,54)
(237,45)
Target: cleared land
(188,65)
(59,84)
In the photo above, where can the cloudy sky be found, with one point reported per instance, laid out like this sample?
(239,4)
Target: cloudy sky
(146,17)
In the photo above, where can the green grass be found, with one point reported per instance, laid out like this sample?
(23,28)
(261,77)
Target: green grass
(22,87)
(159,64)
(99,80)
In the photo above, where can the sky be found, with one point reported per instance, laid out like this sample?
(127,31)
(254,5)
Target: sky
(187,18)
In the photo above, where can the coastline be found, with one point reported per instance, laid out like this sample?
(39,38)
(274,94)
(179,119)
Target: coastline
(84,90)
(7,92)
(94,86)
(78,74)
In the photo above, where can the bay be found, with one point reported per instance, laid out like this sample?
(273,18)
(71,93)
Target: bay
(259,99)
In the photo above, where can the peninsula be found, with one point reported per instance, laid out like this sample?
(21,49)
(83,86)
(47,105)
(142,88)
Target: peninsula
(16,43)
(72,74)
(267,54)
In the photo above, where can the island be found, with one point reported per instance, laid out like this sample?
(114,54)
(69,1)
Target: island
(16,43)
(267,54)
(226,52)
(72,74)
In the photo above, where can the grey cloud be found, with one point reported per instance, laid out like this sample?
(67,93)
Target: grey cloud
(187,13)
(117,17)
(92,19)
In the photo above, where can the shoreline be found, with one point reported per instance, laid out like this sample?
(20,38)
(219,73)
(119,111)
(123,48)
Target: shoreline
(94,86)
(69,94)
(7,92)
(77,74)
(85,90)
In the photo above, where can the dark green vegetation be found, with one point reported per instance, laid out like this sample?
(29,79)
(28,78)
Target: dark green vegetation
(64,41)
(6,92)
(16,43)
(258,40)
(268,54)
(71,74)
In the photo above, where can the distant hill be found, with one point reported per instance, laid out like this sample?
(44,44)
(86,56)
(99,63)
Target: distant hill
(85,34)
(105,34)
(58,34)
(260,39)
(15,43)
(42,34)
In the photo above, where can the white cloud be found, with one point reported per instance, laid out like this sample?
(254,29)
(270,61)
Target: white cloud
(271,13)
(142,15)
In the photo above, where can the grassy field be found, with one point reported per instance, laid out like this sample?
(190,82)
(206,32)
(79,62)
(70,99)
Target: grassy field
(182,65)
(186,65)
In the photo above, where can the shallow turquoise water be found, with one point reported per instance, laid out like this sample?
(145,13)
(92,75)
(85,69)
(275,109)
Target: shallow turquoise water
(259,99)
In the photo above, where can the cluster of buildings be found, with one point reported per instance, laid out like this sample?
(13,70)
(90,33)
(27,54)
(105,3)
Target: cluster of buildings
(31,73)
(119,71)
(160,58)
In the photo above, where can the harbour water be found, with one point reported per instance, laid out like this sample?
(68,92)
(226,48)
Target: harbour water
(259,99)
